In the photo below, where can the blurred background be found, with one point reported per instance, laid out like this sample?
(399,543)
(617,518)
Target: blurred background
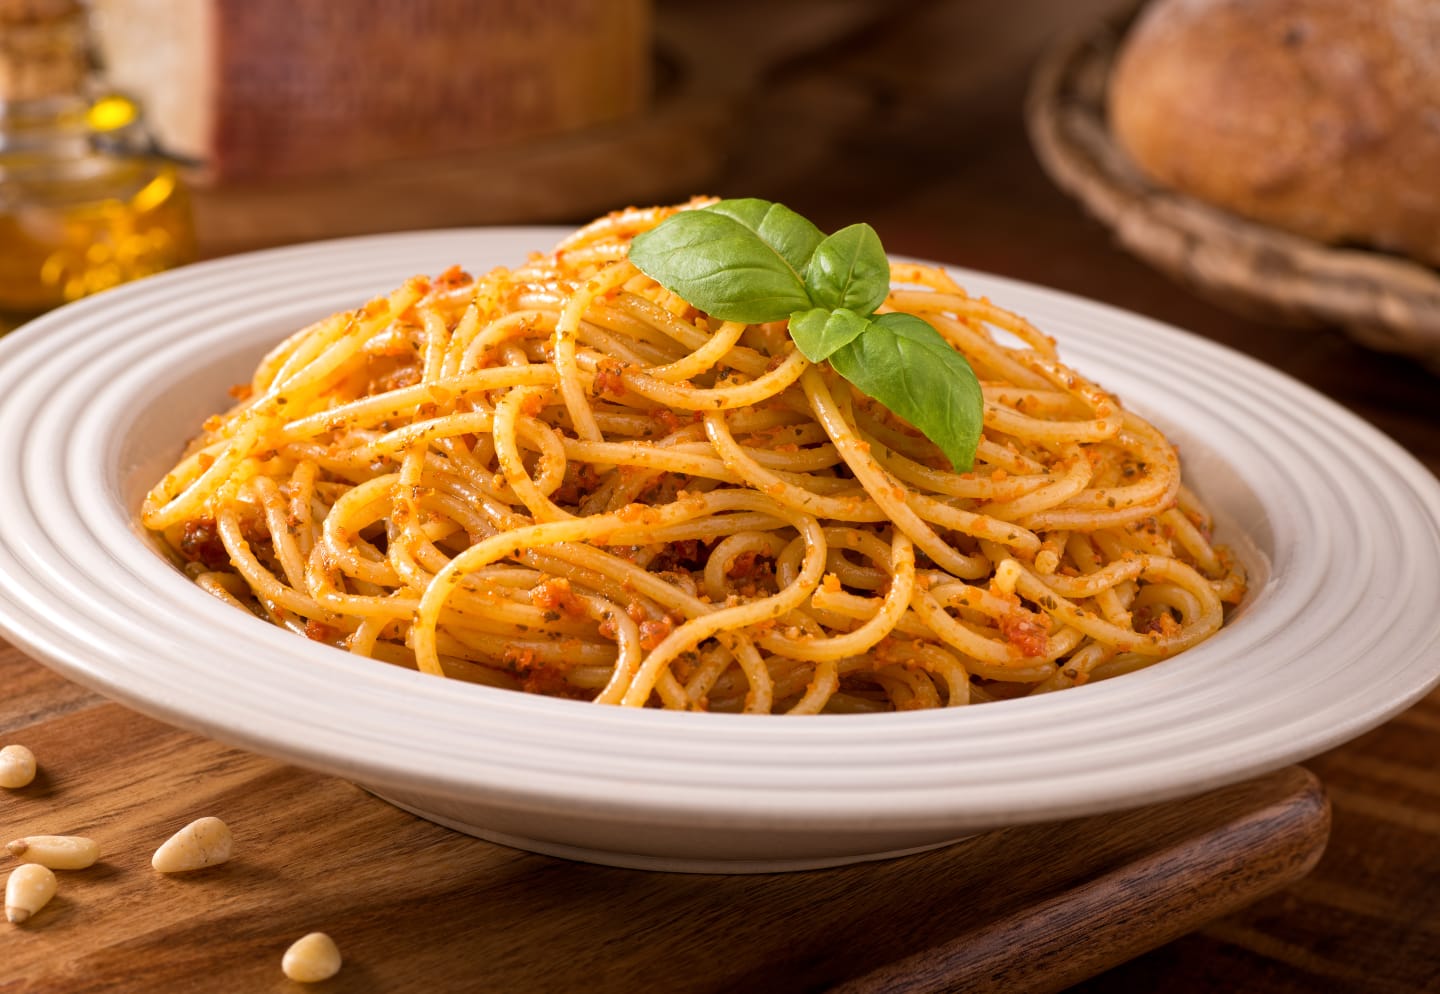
(296,121)
(138,135)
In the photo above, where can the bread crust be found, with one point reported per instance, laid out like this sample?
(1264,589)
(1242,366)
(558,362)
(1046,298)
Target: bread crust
(1321,117)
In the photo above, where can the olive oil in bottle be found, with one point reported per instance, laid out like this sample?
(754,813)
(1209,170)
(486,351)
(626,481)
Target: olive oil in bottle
(85,202)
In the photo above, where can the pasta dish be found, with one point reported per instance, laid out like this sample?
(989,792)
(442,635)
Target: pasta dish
(563,478)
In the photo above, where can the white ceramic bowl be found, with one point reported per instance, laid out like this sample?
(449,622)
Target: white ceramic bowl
(1340,529)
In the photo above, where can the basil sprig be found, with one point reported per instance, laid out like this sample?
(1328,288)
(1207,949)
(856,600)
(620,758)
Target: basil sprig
(756,261)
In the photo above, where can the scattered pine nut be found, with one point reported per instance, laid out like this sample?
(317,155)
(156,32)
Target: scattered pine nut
(59,852)
(17,766)
(311,959)
(1046,562)
(1005,576)
(204,842)
(29,889)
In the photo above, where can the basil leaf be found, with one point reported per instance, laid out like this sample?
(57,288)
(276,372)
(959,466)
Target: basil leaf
(755,261)
(849,269)
(819,332)
(791,235)
(718,264)
(902,362)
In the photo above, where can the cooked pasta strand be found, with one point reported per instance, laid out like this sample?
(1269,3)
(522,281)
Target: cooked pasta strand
(563,479)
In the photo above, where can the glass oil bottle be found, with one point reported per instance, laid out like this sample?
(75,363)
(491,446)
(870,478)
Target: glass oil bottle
(85,201)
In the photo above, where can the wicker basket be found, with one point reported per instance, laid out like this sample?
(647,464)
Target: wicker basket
(1384,301)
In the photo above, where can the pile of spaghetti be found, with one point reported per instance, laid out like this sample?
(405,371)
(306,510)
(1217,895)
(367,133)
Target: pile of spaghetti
(563,479)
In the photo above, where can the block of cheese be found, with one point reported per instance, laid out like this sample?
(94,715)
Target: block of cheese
(262,89)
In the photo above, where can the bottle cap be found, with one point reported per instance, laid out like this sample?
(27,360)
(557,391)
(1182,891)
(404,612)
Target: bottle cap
(43,49)
(34,11)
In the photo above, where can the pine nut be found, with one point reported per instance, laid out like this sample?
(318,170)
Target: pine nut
(204,842)
(59,852)
(1005,576)
(28,890)
(17,766)
(311,959)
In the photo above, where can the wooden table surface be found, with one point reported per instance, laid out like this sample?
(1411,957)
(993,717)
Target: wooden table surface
(912,121)
(417,908)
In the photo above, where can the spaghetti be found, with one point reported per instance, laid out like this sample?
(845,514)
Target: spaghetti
(562,478)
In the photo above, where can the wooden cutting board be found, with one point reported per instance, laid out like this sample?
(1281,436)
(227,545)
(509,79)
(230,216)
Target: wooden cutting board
(415,907)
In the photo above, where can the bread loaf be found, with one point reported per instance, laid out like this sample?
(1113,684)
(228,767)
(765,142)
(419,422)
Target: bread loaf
(262,89)
(1320,117)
